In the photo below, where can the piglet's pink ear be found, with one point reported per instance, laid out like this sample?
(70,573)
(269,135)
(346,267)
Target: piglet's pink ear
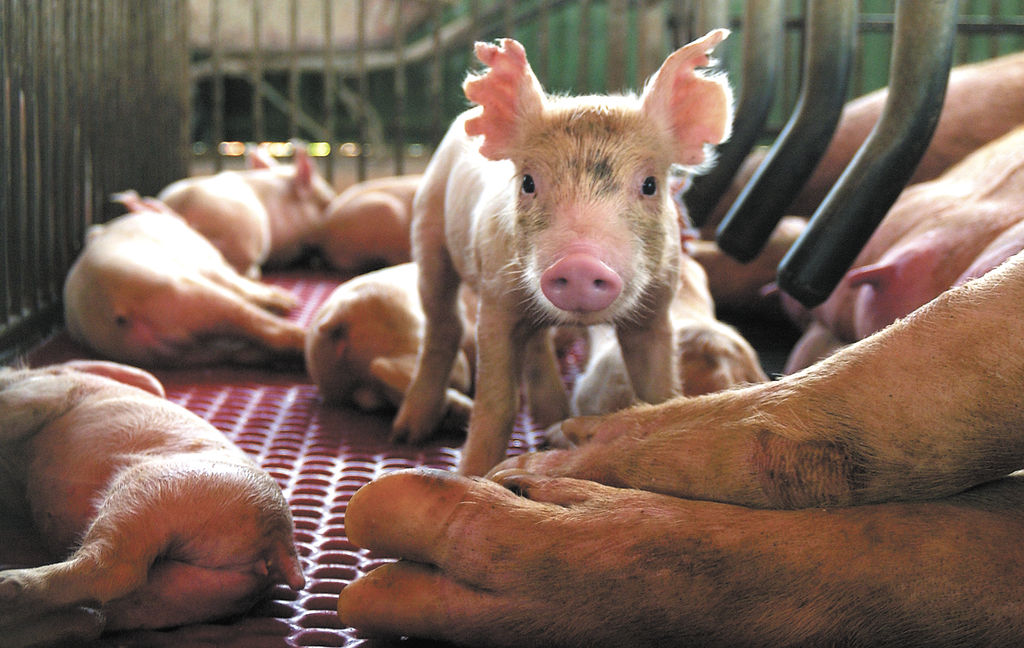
(260,158)
(304,169)
(508,92)
(696,109)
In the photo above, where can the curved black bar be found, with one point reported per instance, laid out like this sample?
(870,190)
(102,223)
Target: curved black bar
(918,73)
(763,28)
(828,57)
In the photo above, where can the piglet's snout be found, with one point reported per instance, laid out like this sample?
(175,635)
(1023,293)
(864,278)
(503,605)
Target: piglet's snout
(580,282)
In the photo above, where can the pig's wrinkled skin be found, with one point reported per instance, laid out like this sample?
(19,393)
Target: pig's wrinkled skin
(153,518)
(367,225)
(362,342)
(559,214)
(899,452)
(983,102)
(937,234)
(266,215)
(712,355)
(149,290)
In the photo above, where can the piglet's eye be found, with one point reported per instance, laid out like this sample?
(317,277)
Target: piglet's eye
(650,186)
(528,185)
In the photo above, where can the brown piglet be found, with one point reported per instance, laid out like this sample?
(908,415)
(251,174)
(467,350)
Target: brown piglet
(556,211)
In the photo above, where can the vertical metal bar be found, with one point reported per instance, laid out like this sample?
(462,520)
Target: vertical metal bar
(330,119)
(8,91)
(49,271)
(641,43)
(293,70)
(217,84)
(19,233)
(508,19)
(828,54)
(617,33)
(436,77)
(544,43)
(583,53)
(179,38)
(364,91)
(918,74)
(398,126)
(763,30)
(258,129)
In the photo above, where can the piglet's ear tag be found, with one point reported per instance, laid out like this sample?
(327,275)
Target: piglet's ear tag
(508,93)
(694,108)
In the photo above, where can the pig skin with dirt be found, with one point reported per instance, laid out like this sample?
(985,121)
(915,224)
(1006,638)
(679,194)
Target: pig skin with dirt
(937,235)
(265,215)
(149,290)
(556,211)
(167,522)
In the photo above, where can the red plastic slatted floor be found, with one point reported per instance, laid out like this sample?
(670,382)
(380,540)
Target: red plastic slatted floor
(319,455)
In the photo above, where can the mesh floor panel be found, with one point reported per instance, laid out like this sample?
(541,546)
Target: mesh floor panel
(319,455)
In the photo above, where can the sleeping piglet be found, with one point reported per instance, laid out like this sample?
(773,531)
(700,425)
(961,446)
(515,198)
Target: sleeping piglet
(264,215)
(556,211)
(152,518)
(362,342)
(367,225)
(149,290)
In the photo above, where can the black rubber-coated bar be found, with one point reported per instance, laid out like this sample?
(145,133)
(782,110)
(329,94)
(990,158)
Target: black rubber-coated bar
(828,58)
(763,28)
(918,74)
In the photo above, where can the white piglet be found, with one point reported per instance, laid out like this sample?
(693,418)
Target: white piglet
(556,211)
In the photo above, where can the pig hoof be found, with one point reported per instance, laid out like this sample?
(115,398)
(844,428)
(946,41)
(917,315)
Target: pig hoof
(11,588)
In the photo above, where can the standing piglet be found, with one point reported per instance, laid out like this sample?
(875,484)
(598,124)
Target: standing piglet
(151,516)
(556,211)
(937,234)
(149,290)
(265,215)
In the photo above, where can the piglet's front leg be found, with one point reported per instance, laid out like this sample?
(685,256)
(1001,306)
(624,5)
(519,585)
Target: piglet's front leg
(651,360)
(501,344)
(424,404)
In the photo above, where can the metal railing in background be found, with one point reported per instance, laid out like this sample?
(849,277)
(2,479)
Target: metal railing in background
(375,82)
(93,99)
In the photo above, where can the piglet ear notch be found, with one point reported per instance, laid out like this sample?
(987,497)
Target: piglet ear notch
(694,107)
(508,93)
